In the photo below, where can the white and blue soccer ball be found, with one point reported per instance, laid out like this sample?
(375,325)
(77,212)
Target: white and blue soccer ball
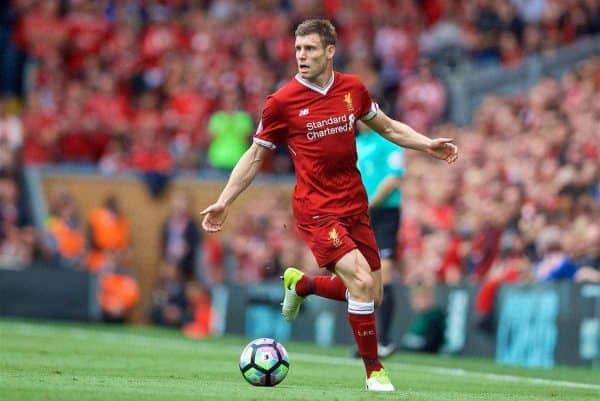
(264,362)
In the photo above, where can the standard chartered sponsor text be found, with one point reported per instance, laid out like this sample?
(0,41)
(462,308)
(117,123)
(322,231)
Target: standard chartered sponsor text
(330,126)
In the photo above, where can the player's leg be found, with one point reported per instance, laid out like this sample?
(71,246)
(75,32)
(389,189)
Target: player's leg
(329,242)
(378,300)
(354,270)
(297,286)
(378,294)
(327,286)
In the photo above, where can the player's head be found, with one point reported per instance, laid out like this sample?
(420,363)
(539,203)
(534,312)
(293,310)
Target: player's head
(315,48)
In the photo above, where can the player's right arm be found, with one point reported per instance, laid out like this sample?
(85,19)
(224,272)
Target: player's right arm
(241,176)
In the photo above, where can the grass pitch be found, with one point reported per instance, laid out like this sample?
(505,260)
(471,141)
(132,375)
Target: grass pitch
(59,361)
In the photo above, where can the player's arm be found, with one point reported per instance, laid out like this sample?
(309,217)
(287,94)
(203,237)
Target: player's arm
(403,135)
(241,176)
(385,188)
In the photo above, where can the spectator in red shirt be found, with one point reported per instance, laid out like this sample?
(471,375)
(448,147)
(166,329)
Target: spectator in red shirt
(87,29)
(150,153)
(422,99)
(43,31)
(511,266)
(41,132)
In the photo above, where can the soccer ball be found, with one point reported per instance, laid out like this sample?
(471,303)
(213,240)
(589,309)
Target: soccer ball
(264,362)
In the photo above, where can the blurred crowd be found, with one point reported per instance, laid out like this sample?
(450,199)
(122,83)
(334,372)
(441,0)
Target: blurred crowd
(177,86)
(523,201)
(99,243)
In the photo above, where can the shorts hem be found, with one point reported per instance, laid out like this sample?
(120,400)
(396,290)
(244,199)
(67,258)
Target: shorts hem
(335,257)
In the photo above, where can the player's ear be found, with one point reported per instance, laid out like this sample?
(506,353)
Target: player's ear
(330,51)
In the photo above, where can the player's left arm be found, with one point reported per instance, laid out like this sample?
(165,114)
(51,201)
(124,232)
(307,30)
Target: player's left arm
(403,135)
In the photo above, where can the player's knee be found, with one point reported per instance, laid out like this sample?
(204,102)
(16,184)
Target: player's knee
(361,283)
(364,282)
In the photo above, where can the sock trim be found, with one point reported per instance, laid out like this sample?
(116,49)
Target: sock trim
(360,308)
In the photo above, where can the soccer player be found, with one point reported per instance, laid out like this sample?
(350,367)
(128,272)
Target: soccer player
(315,115)
(381,165)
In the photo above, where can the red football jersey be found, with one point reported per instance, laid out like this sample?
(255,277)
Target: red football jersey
(317,124)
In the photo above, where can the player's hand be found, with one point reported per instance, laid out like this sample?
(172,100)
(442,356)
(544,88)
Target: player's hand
(443,149)
(214,217)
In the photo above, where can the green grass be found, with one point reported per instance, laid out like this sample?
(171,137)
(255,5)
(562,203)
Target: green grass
(52,361)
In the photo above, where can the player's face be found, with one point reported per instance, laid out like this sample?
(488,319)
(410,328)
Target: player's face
(314,60)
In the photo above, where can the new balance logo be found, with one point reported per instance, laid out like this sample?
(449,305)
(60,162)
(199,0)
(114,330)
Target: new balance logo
(303,112)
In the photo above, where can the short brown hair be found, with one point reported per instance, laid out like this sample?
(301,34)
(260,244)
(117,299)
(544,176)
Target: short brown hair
(323,27)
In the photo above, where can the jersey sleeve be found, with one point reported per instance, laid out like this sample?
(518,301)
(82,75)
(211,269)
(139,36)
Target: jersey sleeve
(272,127)
(368,108)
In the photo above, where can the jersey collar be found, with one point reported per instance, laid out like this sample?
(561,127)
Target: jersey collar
(322,90)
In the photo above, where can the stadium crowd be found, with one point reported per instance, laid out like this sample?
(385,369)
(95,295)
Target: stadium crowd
(176,85)
(147,84)
(523,203)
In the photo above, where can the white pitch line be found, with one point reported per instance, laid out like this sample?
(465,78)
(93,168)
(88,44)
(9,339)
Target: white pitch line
(449,371)
(32,330)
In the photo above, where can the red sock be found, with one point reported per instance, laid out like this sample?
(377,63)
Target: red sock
(331,287)
(365,335)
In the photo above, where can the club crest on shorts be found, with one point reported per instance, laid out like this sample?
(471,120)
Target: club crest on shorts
(334,237)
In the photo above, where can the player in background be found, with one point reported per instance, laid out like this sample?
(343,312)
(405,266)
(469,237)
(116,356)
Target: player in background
(381,166)
(314,115)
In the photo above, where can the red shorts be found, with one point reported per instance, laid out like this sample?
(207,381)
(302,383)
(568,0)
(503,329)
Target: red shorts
(330,239)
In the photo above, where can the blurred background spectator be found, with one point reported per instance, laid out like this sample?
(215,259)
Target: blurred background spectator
(119,291)
(231,128)
(426,330)
(181,238)
(11,129)
(169,303)
(65,237)
(17,237)
(108,232)
(422,98)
